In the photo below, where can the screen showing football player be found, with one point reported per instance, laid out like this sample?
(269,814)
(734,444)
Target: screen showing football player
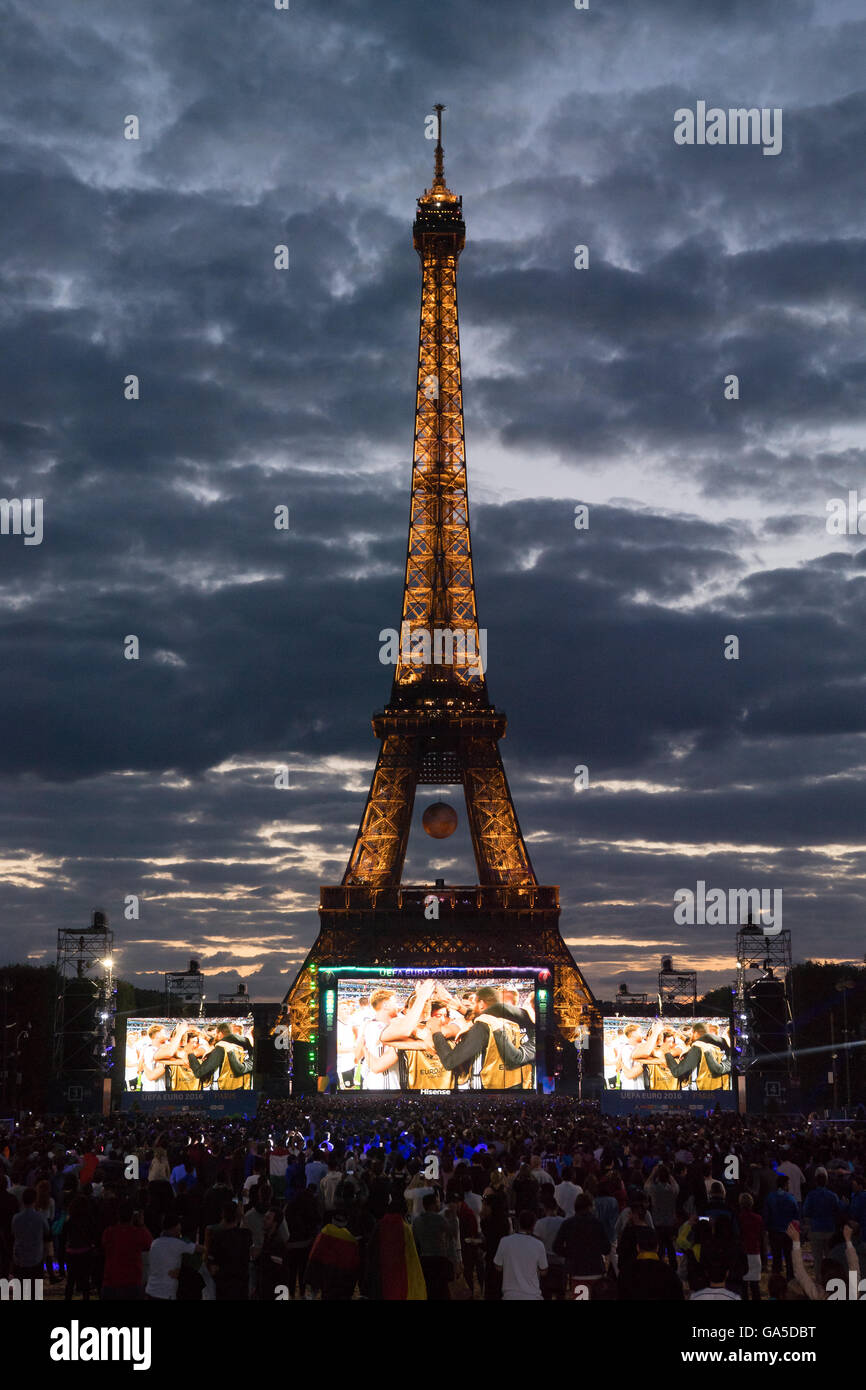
(224,1059)
(703,1065)
(479,1047)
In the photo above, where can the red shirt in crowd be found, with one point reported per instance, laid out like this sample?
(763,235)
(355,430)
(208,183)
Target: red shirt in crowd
(124,1246)
(751,1229)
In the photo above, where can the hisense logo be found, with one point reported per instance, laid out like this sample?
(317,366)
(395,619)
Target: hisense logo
(75,1343)
(739,125)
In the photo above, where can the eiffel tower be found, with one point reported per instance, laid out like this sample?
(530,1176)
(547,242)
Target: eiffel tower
(438,729)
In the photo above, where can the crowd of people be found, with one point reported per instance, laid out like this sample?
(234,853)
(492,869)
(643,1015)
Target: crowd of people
(420,1198)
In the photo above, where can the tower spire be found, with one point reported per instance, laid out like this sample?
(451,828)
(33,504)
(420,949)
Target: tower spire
(439,168)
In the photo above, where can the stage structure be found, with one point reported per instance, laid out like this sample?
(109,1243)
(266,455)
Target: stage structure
(439,730)
(763,1020)
(184,991)
(84,1011)
(628,1003)
(678,989)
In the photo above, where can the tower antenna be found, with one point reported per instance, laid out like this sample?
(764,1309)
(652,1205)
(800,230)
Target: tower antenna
(439,168)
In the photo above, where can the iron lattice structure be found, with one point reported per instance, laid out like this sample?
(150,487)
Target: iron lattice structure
(771,955)
(678,989)
(439,727)
(84,1004)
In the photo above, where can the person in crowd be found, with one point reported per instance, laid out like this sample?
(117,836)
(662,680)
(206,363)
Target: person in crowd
(302,1225)
(166,1253)
(567,1191)
(816,1289)
(722,1246)
(582,1243)
(821,1211)
(647,1277)
(329,1184)
(857,1202)
(80,1245)
(124,1243)
(715,1290)
(632,1220)
(780,1210)
(605,1204)
(29,1237)
(9,1207)
(334,1264)
(495,1225)
(663,1190)
(454,1244)
(547,1229)
(159,1169)
(471,1243)
(393,1268)
(795,1175)
(46,1206)
(271,1261)
(522,1258)
(752,1237)
(431,1238)
(229,1255)
(524,1189)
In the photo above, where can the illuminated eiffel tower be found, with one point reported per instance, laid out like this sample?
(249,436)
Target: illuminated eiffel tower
(438,729)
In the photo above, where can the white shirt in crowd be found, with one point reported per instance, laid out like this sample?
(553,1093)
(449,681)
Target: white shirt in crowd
(473,1202)
(415,1199)
(547,1229)
(566,1194)
(521,1258)
(165,1254)
(796,1178)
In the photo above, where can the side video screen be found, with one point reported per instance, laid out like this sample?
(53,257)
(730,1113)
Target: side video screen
(189,1054)
(667,1054)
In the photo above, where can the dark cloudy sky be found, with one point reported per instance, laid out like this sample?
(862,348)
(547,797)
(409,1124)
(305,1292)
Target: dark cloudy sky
(259,648)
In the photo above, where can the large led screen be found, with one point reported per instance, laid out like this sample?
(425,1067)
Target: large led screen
(667,1054)
(189,1054)
(458,1032)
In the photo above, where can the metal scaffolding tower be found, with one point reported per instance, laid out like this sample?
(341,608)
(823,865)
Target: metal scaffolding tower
(678,989)
(84,1003)
(184,992)
(761,958)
